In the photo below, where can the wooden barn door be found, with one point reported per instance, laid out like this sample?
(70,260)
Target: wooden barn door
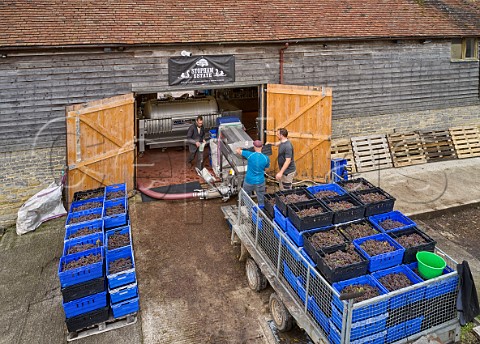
(100,144)
(306,112)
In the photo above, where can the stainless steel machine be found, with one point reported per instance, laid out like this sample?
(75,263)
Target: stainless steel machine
(165,122)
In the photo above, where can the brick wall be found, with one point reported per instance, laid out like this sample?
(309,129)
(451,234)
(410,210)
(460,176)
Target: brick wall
(24,173)
(397,122)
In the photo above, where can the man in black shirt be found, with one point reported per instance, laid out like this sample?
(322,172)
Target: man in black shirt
(286,162)
(196,142)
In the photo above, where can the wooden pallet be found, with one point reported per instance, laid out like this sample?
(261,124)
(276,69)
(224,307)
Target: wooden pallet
(406,149)
(437,145)
(371,153)
(342,149)
(110,324)
(466,141)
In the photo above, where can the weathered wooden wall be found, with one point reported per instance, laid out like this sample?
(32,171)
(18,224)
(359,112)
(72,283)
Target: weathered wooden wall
(367,79)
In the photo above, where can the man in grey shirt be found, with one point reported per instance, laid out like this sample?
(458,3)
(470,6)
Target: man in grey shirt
(286,162)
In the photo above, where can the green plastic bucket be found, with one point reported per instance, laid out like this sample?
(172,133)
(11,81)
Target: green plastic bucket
(430,265)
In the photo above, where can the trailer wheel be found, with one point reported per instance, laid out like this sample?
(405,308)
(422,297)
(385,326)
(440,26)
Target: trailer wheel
(280,314)
(255,278)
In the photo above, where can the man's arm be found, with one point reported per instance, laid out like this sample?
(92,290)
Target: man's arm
(190,139)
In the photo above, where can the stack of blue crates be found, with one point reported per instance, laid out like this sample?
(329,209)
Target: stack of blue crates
(89,291)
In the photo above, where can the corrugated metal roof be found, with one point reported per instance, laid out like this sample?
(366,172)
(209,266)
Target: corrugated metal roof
(64,23)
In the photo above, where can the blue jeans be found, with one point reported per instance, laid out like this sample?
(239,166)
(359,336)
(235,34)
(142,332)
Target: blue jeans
(259,191)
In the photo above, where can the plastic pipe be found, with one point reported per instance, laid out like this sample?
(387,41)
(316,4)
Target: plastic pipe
(169,197)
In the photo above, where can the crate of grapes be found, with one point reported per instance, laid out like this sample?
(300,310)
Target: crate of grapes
(357,184)
(438,288)
(413,240)
(358,229)
(345,208)
(381,251)
(82,229)
(397,278)
(326,190)
(115,191)
(309,214)
(115,213)
(283,198)
(341,264)
(83,217)
(391,221)
(370,289)
(376,201)
(83,243)
(326,240)
(120,267)
(81,267)
(89,194)
(88,204)
(118,237)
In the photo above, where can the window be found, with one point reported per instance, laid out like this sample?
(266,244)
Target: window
(464,49)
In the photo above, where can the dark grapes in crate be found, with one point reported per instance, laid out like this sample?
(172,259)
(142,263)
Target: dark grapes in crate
(341,264)
(367,290)
(310,214)
(345,208)
(84,218)
(324,239)
(80,248)
(118,240)
(115,194)
(87,206)
(376,201)
(341,205)
(326,194)
(88,194)
(358,184)
(358,229)
(376,247)
(83,261)
(288,197)
(84,231)
(114,210)
(391,224)
(413,240)
(342,258)
(395,281)
(119,265)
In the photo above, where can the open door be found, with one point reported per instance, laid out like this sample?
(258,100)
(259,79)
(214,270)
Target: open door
(100,144)
(306,112)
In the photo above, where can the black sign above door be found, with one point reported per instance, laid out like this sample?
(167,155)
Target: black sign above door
(201,70)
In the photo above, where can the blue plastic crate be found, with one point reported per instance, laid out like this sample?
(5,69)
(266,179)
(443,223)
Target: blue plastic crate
(404,329)
(123,277)
(384,260)
(326,187)
(373,309)
(125,307)
(297,236)
(96,212)
(393,215)
(290,276)
(77,204)
(279,218)
(81,274)
(319,316)
(377,338)
(115,188)
(117,219)
(85,304)
(361,328)
(95,226)
(123,293)
(407,297)
(94,239)
(120,230)
(441,287)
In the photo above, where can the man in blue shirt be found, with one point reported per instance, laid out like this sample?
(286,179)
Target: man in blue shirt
(256,165)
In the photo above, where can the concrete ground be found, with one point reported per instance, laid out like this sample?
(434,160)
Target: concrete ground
(192,288)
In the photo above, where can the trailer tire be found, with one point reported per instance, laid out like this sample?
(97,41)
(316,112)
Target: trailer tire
(281,316)
(255,278)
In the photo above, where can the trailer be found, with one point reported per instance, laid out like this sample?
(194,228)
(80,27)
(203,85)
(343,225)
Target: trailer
(303,295)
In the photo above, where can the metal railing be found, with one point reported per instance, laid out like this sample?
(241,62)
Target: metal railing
(397,316)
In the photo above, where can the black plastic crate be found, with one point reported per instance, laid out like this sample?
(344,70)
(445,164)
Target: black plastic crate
(282,206)
(343,229)
(86,320)
(357,184)
(341,273)
(312,250)
(309,222)
(340,216)
(88,194)
(378,207)
(80,290)
(411,252)
(268,206)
